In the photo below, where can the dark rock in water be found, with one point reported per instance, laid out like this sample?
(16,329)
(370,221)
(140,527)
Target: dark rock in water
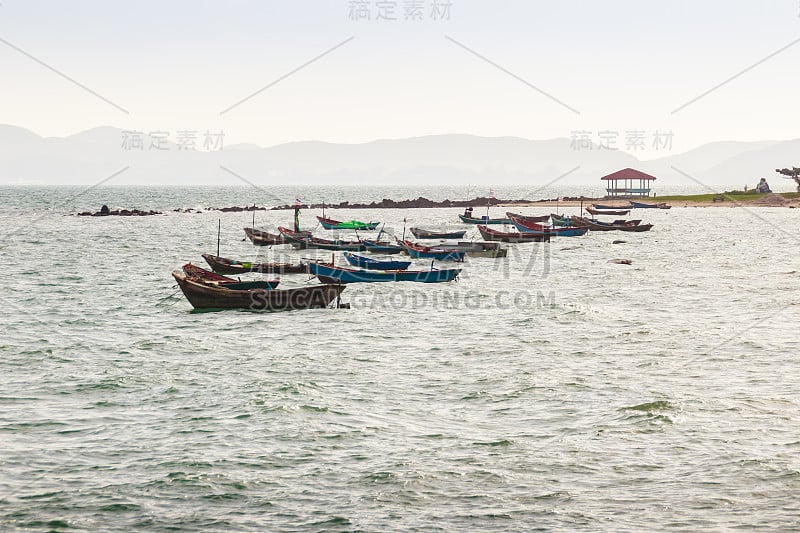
(621,261)
(234,209)
(618,241)
(237,209)
(106,212)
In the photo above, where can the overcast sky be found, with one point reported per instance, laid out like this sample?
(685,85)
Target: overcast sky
(613,65)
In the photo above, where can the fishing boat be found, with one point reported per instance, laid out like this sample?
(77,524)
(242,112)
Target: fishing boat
(265,238)
(559,220)
(300,241)
(528,218)
(477,248)
(490,234)
(374,264)
(420,233)
(205,296)
(380,247)
(617,225)
(206,276)
(329,223)
(557,231)
(483,220)
(581,222)
(610,207)
(419,251)
(639,205)
(336,274)
(616,212)
(223,265)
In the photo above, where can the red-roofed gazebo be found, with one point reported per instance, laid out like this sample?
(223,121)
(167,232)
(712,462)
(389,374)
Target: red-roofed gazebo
(627,183)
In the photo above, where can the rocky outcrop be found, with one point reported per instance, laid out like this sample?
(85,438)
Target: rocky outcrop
(418,203)
(106,212)
(233,209)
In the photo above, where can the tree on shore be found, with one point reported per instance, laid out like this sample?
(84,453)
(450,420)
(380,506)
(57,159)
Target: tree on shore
(791,173)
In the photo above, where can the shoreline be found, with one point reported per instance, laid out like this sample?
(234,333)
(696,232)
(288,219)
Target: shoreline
(788,200)
(733,199)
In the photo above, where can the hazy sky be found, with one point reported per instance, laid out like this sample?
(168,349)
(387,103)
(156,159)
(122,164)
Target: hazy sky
(623,65)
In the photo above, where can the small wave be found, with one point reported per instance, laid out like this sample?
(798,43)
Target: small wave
(120,507)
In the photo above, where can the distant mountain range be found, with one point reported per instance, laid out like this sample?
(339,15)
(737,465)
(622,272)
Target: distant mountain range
(90,156)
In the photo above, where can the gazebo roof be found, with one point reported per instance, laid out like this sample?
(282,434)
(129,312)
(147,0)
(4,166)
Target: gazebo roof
(628,174)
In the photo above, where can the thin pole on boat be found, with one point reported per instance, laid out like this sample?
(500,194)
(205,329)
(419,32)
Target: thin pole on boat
(219,230)
(254,215)
(404,228)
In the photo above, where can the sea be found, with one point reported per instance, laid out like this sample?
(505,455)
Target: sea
(551,390)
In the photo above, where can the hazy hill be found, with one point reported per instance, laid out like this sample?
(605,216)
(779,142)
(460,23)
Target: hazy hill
(88,157)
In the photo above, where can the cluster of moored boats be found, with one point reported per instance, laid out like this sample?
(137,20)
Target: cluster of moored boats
(214,289)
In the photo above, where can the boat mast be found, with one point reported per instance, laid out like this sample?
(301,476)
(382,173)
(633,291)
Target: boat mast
(219,229)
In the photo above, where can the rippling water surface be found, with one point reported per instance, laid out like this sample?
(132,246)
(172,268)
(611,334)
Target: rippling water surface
(549,390)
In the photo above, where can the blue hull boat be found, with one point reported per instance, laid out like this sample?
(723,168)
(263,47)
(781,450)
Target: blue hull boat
(334,275)
(373,264)
(639,205)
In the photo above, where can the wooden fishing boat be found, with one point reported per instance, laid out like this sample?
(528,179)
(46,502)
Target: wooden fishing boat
(336,274)
(329,223)
(528,218)
(419,251)
(490,234)
(640,205)
(205,296)
(618,225)
(556,231)
(380,247)
(559,220)
(616,212)
(373,264)
(483,220)
(618,222)
(223,265)
(610,207)
(477,248)
(420,233)
(265,238)
(337,245)
(210,278)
